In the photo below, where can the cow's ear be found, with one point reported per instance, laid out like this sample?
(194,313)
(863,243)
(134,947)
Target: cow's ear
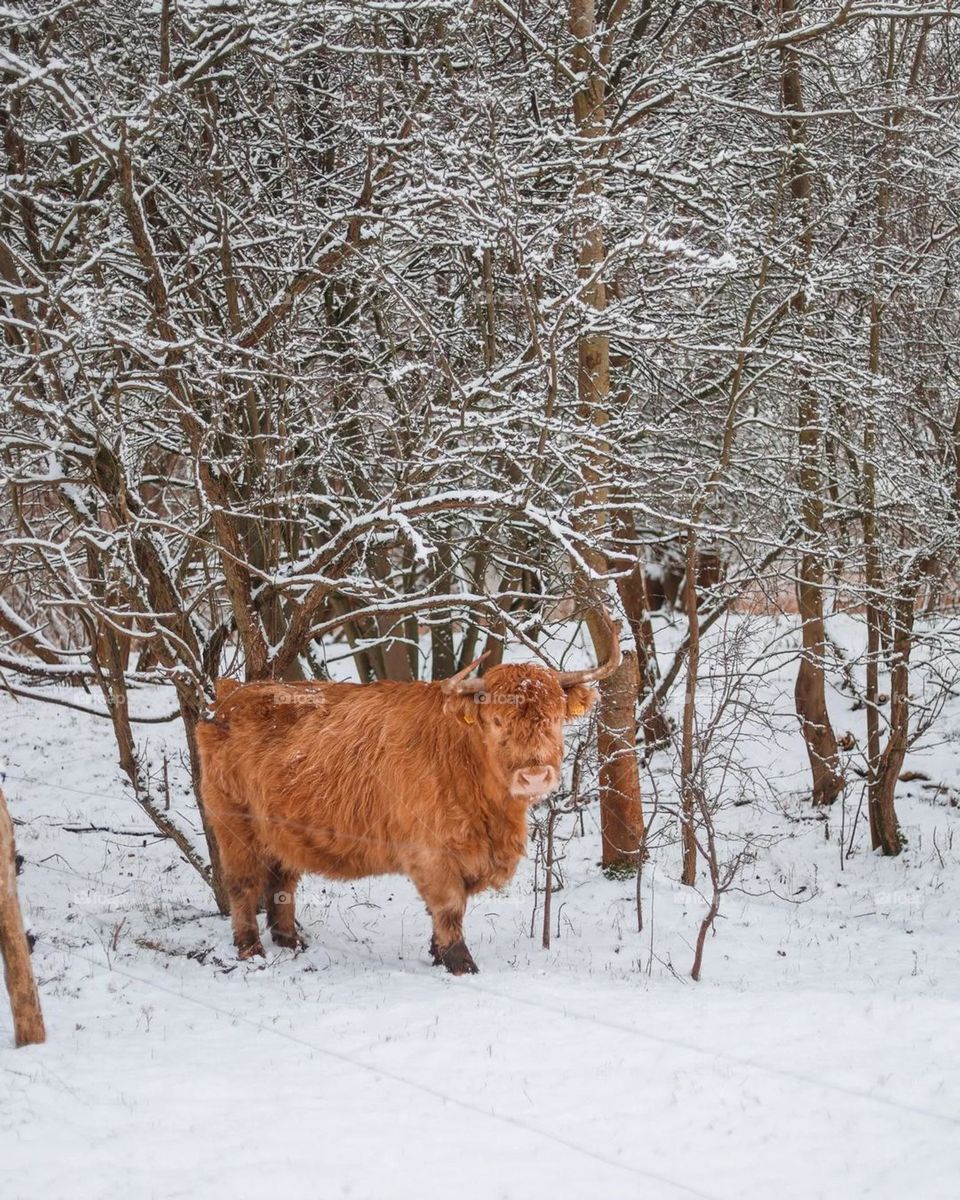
(462,708)
(580,699)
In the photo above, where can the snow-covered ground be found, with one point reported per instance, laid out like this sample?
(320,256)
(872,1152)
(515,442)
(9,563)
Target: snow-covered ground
(818,1056)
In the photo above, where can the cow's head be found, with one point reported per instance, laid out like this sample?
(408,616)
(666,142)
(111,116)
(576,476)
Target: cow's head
(517,712)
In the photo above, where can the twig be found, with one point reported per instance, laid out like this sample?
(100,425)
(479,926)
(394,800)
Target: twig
(140,833)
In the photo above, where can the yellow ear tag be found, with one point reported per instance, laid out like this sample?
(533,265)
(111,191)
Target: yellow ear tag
(577,710)
(468,720)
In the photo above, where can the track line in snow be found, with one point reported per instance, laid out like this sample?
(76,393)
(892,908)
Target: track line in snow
(692,1047)
(735,1059)
(396,1077)
(616,1026)
(573,1015)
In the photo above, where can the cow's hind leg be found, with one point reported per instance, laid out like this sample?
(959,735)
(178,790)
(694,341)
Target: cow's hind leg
(445,896)
(281,911)
(244,868)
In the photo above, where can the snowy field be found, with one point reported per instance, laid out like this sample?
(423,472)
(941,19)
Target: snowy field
(818,1057)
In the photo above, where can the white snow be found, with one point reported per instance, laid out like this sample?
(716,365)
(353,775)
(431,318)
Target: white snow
(817,1058)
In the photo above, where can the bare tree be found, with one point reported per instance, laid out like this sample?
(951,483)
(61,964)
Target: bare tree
(810,691)
(621,811)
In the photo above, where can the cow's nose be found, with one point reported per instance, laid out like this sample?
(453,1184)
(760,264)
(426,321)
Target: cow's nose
(535,781)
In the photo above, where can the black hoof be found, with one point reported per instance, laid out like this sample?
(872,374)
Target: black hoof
(250,950)
(288,941)
(458,959)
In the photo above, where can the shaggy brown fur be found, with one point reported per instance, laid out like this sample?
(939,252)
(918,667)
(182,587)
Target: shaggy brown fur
(347,780)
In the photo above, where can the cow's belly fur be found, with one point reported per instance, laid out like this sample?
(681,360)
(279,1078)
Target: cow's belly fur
(312,843)
(318,837)
(316,848)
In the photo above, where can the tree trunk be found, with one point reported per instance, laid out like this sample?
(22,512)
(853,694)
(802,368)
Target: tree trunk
(635,598)
(882,784)
(22,989)
(881,781)
(191,715)
(810,690)
(688,784)
(621,812)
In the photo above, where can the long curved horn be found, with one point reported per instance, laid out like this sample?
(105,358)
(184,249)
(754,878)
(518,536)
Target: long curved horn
(460,685)
(592,674)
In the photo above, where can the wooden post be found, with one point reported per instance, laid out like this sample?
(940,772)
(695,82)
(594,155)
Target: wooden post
(18,972)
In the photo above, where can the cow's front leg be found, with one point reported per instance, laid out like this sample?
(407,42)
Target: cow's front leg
(445,895)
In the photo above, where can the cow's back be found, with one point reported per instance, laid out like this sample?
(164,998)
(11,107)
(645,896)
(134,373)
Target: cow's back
(341,779)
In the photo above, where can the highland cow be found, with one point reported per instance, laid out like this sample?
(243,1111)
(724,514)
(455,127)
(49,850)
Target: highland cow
(428,780)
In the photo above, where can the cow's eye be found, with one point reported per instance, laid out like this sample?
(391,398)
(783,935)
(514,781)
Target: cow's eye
(497,722)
